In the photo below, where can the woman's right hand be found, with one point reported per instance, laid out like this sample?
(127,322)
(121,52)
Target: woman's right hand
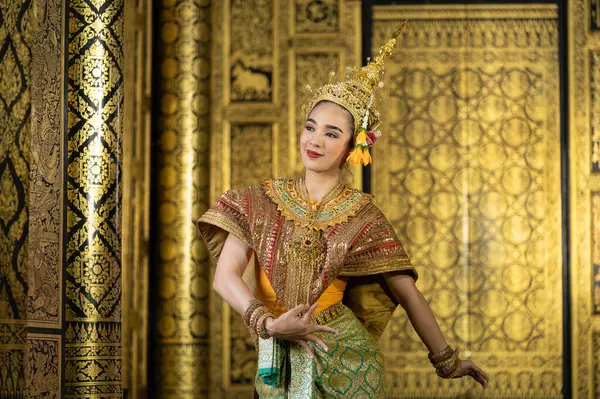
(294,326)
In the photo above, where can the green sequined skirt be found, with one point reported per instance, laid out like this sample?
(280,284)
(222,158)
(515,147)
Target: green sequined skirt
(353,367)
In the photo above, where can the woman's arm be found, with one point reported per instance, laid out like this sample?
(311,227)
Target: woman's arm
(228,276)
(421,317)
(423,321)
(231,287)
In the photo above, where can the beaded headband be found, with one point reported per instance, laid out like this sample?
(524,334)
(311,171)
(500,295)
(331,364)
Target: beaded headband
(356,94)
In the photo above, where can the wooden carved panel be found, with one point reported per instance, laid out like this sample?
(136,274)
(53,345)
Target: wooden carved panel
(469,175)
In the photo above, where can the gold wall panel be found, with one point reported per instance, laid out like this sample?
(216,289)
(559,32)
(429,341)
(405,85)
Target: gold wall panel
(136,195)
(15,125)
(468,172)
(595,14)
(595,108)
(44,305)
(583,45)
(183,93)
(312,16)
(252,52)
(303,40)
(44,365)
(596,361)
(93,255)
(596,251)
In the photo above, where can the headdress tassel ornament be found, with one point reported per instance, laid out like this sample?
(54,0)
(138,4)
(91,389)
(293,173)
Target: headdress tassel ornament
(356,94)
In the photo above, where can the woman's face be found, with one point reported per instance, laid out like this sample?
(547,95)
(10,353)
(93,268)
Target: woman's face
(324,143)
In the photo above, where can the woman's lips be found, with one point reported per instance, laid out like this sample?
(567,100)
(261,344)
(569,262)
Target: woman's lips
(313,154)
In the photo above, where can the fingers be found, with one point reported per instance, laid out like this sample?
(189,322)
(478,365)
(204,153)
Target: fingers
(306,347)
(476,373)
(298,310)
(309,312)
(318,341)
(326,329)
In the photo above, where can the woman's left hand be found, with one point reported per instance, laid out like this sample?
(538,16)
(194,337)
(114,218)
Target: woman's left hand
(468,368)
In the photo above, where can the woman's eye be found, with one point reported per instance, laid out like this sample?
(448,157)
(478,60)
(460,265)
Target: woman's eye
(332,135)
(309,128)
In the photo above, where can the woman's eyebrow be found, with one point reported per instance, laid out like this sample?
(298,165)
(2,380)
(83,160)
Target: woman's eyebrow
(334,128)
(327,126)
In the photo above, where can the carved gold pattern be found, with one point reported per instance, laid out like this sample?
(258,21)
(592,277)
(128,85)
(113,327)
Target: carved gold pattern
(595,108)
(468,173)
(249,143)
(595,15)
(582,183)
(595,251)
(596,363)
(182,267)
(252,51)
(15,123)
(43,367)
(44,306)
(93,264)
(316,16)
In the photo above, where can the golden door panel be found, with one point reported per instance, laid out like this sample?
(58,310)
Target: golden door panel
(251,52)
(584,186)
(595,15)
(312,17)
(44,365)
(468,172)
(44,305)
(595,108)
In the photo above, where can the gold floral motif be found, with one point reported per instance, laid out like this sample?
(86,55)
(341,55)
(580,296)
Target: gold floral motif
(292,201)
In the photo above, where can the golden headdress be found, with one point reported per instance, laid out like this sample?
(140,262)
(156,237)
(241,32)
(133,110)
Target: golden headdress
(356,94)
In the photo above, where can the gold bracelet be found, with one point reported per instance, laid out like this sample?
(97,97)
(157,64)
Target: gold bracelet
(454,369)
(255,315)
(250,308)
(260,326)
(441,356)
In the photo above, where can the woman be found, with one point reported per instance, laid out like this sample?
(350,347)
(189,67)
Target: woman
(327,268)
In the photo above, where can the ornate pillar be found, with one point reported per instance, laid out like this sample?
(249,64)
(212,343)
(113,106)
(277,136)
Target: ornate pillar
(15,121)
(93,254)
(180,324)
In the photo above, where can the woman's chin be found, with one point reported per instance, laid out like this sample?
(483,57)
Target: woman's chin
(314,167)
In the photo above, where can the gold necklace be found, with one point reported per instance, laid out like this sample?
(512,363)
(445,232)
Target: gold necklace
(306,255)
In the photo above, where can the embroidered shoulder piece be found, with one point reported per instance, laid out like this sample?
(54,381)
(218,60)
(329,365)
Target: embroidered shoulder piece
(338,206)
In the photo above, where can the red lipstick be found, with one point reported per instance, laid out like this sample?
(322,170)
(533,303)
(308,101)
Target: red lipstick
(313,154)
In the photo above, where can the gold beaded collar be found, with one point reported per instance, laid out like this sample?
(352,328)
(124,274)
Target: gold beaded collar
(291,197)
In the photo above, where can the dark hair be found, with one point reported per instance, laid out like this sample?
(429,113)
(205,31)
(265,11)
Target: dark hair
(348,113)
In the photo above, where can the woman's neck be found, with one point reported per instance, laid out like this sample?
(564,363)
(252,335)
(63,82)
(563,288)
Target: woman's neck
(319,184)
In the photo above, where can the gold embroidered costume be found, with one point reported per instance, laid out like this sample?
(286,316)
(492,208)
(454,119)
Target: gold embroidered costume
(302,248)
